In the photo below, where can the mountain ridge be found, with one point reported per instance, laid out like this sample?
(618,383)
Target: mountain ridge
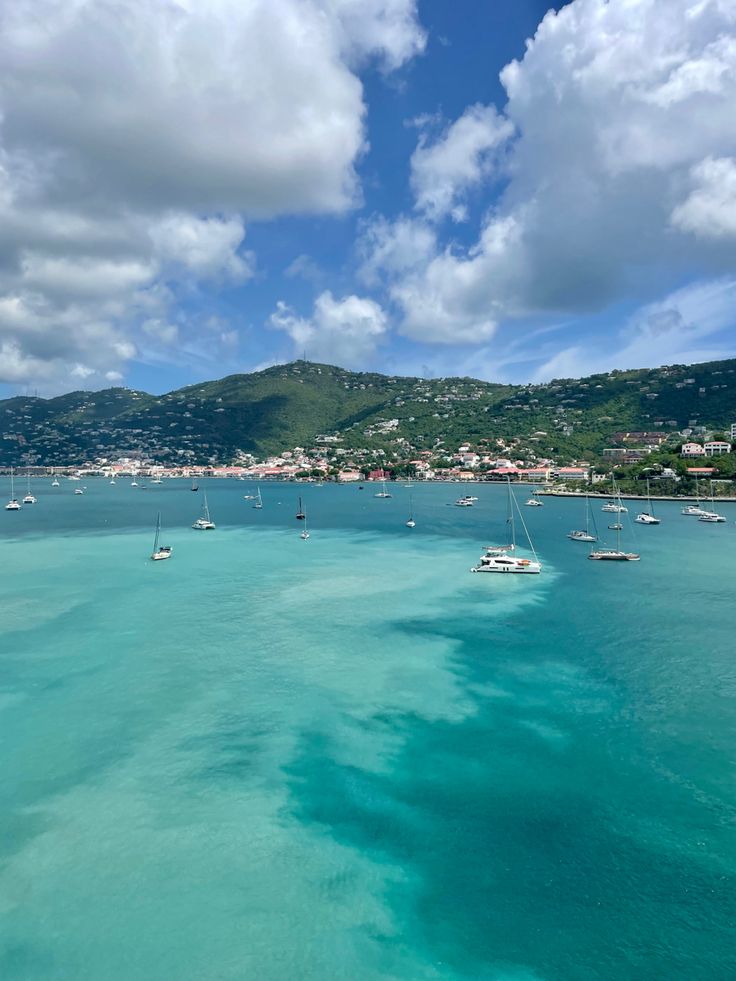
(290,404)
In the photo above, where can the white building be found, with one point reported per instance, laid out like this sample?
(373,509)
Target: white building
(717,447)
(733,430)
(691,450)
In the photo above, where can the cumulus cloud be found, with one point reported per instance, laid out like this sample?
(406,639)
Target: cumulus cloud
(344,331)
(443,171)
(619,180)
(388,249)
(137,140)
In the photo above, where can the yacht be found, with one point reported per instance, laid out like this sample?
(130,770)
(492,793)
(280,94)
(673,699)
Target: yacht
(29,498)
(647,517)
(614,507)
(617,554)
(12,504)
(464,502)
(384,492)
(502,558)
(585,536)
(533,502)
(160,552)
(712,517)
(692,510)
(204,522)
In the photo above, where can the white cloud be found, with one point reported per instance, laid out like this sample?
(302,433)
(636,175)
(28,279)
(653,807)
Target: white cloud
(394,248)
(709,211)
(138,139)
(619,181)
(442,172)
(344,331)
(690,325)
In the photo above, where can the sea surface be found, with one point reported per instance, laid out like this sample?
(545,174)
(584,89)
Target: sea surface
(348,759)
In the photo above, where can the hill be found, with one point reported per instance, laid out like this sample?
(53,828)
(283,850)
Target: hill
(288,405)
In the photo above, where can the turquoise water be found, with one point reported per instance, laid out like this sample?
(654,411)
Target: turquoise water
(348,758)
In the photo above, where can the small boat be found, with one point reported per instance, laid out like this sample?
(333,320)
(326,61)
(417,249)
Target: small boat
(159,552)
(384,492)
(73,477)
(464,502)
(614,508)
(411,523)
(502,558)
(605,554)
(647,517)
(694,510)
(300,515)
(710,515)
(55,483)
(157,480)
(204,522)
(258,500)
(78,491)
(112,481)
(134,483)
(616,527)
(585,536)
(29,498)
(12,504)
(249,497)
(195,485)
(533,502)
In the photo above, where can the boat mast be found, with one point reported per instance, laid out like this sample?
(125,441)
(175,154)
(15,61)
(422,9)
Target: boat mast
(158,533)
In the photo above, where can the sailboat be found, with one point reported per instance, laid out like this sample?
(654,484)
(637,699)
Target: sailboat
(300,515)
(647,517)
(55,483)
(411,523)
(304,533)
(160,552)
(12,504)
(384,492)
(29,498)
(711,515)
(195,485)
(501,558)
(694,510)
(585,536)
(259,501)
(605,554)
(204,522)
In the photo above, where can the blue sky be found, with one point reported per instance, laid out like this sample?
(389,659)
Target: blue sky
(200,187)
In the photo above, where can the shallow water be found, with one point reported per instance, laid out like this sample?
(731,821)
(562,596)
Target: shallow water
(349,758)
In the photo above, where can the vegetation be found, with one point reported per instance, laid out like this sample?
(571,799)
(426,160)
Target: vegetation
(295,404)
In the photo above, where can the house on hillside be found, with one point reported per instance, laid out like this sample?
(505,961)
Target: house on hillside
(716,447)
(692,450)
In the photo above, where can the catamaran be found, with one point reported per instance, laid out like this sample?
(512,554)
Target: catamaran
(160,552)
(411,523)
(12,504)
(533,502)
(617,554)
(204,522)
(384,492)
(711,516)
(585,536)
(29,498)
(647,517)
(501,558)
(694,510)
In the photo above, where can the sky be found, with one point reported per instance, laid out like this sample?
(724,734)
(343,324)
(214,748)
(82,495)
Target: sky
(494,188)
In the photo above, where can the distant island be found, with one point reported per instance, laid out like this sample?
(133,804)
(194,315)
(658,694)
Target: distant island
(315,420)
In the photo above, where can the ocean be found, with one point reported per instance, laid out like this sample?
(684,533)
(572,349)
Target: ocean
(347,758)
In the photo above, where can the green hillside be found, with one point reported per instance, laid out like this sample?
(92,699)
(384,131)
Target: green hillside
(288,405)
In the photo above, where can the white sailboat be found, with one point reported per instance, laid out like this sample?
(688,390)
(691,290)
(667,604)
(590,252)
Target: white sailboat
(411,523)
(304,535)
(694,510)
(712,515)
(301,514)
(204,522)
(55,483)
(502,558)
(29,498)
(384,492)
(259,501)
(585,536)
(647,517)
(605,554)
(160,552)
(12,504)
